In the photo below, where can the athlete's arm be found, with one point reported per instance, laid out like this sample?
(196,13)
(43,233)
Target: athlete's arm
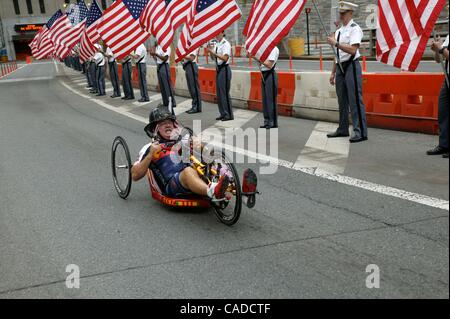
(139,170)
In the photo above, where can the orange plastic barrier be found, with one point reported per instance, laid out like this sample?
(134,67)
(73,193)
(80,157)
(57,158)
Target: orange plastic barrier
(403,101)
(207,81)
(28,59)
(238,51)
(286,92)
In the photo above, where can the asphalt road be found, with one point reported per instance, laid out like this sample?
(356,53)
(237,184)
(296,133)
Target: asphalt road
(308,237)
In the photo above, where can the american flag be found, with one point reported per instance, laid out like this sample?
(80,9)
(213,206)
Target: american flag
(120,28)
(70,37)
(403,30)
(268,23)
(90,35)
(162,17)
(44,45)
(206,19)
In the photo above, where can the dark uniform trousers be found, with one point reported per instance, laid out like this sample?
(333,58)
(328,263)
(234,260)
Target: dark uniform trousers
(101,79)
(142,72)
(191,70)
(88,73)
(114,75)
(93,75)
(269,85)
(126,80)
(165,85)
(444,104)
(223,85)
(349,93)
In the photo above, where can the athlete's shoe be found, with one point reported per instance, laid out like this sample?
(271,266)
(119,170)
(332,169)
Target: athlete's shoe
(216,191)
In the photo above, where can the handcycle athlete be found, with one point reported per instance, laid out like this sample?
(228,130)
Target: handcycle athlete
(178,178)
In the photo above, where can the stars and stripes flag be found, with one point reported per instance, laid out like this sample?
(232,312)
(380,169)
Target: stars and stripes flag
(120,28)
(268,23)
(206,19)
(162,17)
(44,46)
(64,32)
(70,35)
(403,30)
(90,35)
(34,43)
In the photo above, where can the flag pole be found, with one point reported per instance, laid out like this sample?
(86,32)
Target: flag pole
(442,62)
(328,34)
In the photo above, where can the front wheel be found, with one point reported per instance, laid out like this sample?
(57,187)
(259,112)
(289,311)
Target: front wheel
(121,167)
(228,212)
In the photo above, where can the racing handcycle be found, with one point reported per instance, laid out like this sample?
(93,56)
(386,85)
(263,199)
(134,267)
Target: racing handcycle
(210,168)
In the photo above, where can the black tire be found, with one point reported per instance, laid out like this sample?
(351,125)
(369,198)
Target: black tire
(226,214)
(251,201)
(120,160)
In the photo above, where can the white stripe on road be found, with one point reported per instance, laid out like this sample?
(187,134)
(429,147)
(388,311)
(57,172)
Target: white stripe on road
(38,78)
(324,153)
(182,107)
(18,68)
(152,98)
(346,180)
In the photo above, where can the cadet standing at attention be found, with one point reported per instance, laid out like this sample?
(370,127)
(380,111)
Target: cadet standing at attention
(441,53)
(100,70)
(113,72)
(140,57)
(126,79)
(347,40)
(165,85)
(93,75)
(191,69)
(269,84)
(221,53)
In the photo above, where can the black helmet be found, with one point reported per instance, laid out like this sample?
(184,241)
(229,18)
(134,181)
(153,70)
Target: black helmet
(159,114)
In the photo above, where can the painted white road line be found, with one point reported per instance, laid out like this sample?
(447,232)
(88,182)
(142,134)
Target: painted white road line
(328,154)
(38,78)
(152,98)
(18,68)
(182,107)
(346,180)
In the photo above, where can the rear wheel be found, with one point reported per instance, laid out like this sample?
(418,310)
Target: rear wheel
(121,167)
(228,212)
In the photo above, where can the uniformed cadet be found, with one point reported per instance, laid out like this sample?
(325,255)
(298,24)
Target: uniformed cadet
(113,72)
(221,53)
(140,57)
(126,79)
(88,73)
(191,69)
(269,86)
(100,70)
(93,75)
(162,60)
(348,80)
(441,51)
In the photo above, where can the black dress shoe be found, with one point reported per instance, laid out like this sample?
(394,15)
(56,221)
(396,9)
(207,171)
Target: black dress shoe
(114,96)
(219,118)
(123,98)
(193,111)
(337,134)
(445,155)
(271,126)
(438,150)
(129,98)
(143,100)
(264,126)
(358,139)
(225,119)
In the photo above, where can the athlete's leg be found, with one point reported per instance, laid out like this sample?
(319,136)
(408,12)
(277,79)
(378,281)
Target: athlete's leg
(190,180)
